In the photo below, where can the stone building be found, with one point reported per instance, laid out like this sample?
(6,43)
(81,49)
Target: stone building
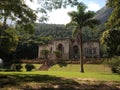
(70,49)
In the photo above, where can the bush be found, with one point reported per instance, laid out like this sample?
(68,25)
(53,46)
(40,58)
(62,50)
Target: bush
(118,69)
(18,67)
(115,64)
(45,53)
(57,53)
(29,67)
(62,63)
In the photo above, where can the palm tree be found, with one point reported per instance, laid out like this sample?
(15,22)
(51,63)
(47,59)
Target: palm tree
(80,19)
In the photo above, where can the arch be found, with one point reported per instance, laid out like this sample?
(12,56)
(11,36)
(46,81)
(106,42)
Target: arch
(76,54)
(61,49)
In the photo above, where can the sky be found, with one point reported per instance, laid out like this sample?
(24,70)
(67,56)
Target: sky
(60,16)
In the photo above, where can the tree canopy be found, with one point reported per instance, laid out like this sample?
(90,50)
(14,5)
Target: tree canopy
(16,10)
(110,38)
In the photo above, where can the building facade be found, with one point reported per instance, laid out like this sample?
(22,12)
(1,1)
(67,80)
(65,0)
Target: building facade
(70,50)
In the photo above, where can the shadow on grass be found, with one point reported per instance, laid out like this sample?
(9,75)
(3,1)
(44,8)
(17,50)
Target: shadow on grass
(47,82)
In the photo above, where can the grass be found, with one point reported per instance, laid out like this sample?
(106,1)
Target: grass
(76,68)
(60,76)
(92,71)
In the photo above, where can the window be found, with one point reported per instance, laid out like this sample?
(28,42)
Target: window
(94,50)
(76,50)
(61,48)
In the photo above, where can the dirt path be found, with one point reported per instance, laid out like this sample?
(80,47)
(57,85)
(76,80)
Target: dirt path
(46,82)
(98,85)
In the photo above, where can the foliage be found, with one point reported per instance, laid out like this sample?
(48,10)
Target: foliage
(45,53)
(80,19)
(16,10)
(29,67)
(110,38)
(53,30)
(114,20)
(110,41)
(29,41)
(26,51)
(8,43)
(18,67)
(57,53)
(114,64)
(9,40)
(20,13)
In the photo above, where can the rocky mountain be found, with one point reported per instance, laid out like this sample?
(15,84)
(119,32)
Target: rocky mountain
(103,14)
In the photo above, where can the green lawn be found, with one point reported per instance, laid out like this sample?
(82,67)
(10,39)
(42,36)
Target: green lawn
(76,68)
(92,71)
(63,78)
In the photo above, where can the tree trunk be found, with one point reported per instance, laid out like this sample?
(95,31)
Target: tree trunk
(81,51)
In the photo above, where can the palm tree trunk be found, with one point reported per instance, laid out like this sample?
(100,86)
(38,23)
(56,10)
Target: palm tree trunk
(81,51)
(81,57)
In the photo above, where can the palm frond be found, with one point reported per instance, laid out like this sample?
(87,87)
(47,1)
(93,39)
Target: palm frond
(71,23)
(89,14)
(92,23)
(81,18)
(75,31)
(81,7)
(73,13)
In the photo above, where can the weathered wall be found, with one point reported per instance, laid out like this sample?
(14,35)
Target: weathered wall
(65,44)
(67,51)
(91,45)
(44,47)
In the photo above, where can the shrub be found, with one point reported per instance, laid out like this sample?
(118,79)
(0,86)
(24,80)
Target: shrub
(45,53)
(29,67)
(57,53)
(18,67)
(115,64)
(118,69)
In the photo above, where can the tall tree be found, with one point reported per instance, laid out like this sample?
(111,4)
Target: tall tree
(110,38)
(15,10)
(9,43)
(80,19)
(110,41)
(20,13)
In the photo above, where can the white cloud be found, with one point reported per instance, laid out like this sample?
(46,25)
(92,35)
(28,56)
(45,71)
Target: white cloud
(93,6)
(59,16)
(33,5)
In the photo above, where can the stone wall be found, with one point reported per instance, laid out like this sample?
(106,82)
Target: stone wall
(92,48)
(68,50)
(65,44)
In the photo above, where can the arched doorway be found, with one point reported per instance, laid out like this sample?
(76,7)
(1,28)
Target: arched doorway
(61,49)
(76,52)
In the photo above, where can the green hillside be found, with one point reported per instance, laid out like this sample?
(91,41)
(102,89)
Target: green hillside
(60,31)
